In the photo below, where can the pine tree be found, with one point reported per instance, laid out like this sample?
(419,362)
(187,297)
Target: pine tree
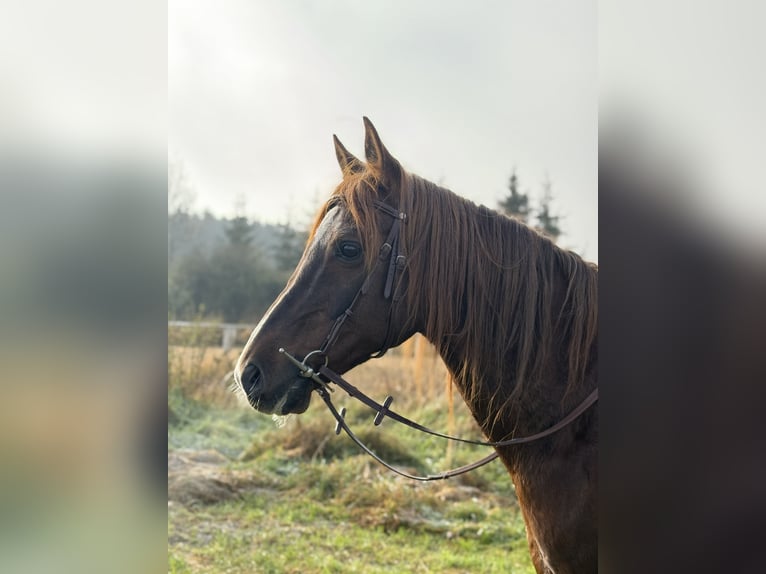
(515,204)
(289,247)
(238,231)
(547,223)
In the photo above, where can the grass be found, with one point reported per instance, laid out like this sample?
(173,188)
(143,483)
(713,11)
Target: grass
(246,496)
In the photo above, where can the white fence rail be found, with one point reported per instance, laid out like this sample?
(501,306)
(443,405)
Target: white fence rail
(228,330)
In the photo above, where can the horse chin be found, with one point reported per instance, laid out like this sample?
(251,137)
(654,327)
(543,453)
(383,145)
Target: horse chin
(295,401)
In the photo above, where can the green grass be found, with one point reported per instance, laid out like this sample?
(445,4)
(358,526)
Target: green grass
(302,500)
(284,533)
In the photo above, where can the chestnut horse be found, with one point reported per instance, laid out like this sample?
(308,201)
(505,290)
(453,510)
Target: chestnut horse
(513,316)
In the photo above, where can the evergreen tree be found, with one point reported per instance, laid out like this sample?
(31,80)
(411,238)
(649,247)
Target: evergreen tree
(181,196)
(515,204)
(238,231)
(289,248)
(547,223)
(233,281)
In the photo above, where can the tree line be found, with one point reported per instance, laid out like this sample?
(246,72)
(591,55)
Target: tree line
(232,269)
(233,278)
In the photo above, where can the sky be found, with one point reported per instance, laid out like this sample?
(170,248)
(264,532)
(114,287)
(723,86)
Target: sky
(461,93)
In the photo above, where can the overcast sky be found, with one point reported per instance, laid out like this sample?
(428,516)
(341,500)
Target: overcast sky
(460,92)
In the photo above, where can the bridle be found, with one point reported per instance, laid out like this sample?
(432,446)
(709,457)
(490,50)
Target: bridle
(322,376)
(389,254)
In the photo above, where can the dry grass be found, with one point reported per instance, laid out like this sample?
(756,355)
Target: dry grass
(203,373)
(248,496)
(413,373)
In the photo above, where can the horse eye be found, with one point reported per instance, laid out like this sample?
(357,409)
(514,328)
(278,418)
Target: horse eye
(349,250)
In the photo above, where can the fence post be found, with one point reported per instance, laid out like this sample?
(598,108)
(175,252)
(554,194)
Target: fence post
(229,336)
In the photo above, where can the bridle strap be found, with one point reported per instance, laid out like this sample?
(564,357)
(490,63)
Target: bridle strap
(390,247)
(396,262)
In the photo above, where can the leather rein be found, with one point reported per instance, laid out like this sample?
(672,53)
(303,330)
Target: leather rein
(322,376)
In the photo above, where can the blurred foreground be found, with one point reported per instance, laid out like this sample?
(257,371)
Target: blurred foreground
(681,287)
(82,366)
(82,287)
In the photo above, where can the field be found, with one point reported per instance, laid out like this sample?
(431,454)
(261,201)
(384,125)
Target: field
(250,494)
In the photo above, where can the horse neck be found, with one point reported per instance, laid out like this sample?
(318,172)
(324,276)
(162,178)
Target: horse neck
(535,407)
(485,371)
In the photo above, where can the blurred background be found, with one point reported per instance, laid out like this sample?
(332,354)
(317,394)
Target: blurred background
(682,278)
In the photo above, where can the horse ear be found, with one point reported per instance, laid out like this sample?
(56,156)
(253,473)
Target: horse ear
(346,160)
(378,158)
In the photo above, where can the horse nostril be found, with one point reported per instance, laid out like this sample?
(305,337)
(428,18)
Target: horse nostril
(251,379)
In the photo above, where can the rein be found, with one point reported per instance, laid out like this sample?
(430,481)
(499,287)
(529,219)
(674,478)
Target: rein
(322,376)
(383,411)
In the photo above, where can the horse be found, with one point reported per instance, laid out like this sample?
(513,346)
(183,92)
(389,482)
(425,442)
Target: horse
(513,316)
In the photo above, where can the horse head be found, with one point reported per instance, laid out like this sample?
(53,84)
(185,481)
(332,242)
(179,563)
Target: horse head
(341,304)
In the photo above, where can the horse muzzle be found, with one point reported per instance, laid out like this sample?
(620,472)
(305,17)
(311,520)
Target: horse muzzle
(294,399)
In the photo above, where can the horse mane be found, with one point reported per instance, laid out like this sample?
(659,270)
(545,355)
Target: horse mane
(488,285)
